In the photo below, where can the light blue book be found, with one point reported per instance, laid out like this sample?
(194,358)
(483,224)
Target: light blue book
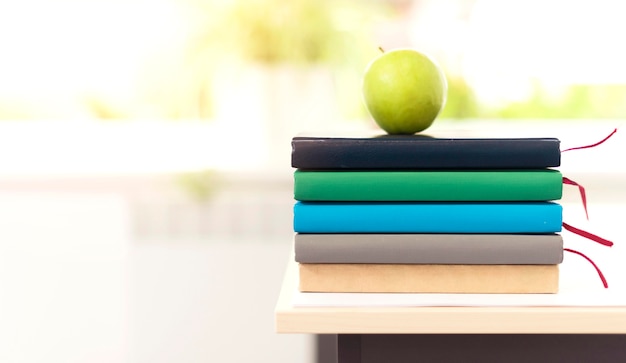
(372,217)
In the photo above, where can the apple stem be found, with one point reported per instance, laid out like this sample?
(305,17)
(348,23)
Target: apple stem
(381,49)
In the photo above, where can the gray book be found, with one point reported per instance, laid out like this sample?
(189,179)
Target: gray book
(470,249)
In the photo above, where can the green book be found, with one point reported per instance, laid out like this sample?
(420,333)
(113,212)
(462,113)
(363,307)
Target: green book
(429,186)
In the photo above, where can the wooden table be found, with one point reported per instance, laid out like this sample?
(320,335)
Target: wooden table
(495,334)
(485,334)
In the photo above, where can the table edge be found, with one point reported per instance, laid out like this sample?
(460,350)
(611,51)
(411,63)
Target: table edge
(440,320)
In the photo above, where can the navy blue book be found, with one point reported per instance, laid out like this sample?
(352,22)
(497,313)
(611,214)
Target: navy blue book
(423,152)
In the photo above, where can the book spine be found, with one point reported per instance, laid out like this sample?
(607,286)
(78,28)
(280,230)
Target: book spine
(426,154)
(483,185)
(468,249)
(454,279)
(345,217)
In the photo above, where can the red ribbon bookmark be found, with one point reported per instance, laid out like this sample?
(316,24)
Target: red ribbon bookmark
(592,145)
(591,236)
(581,189)
(581,232)
(606,284)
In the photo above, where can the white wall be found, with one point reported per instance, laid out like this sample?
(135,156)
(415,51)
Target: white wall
(78,285)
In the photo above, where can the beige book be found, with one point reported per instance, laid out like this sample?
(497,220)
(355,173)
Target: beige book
(416,278)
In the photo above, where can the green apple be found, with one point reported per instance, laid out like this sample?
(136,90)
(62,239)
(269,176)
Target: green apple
(404,91)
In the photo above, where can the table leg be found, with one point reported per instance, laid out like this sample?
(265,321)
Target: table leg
(349,348)
(325,348)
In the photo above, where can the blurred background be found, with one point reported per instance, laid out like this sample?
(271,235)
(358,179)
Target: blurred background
(145,178)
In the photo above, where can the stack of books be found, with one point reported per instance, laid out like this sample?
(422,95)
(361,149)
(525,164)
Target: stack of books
(420,214)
